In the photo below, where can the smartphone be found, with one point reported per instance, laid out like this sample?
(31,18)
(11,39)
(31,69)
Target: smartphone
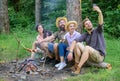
(94,5)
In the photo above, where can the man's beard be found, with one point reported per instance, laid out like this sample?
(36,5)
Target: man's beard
(62,28)
(90,29)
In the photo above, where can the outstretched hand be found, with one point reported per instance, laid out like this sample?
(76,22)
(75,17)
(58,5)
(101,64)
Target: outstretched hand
(96,8)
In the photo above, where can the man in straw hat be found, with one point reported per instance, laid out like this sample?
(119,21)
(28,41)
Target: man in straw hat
(63,47)
(52,47)
(94,51)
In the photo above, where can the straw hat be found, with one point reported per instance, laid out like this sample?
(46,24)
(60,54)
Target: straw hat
(60,18)
(71,22)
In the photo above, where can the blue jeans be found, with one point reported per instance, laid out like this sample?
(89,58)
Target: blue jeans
(51,47)
(62,49)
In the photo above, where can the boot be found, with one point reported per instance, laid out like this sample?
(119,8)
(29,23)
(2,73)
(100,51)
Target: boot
(109,66)
(74,67)
(76,72)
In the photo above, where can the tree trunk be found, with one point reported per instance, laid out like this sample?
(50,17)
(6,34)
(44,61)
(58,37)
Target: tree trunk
(4,20)
(74,12)
(37,11)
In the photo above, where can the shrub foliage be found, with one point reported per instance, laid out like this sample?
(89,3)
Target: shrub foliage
(51,9)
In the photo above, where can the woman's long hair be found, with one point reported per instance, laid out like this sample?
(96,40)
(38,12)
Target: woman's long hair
(36,28)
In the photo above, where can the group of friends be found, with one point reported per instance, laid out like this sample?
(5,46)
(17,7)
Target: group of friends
(85,48)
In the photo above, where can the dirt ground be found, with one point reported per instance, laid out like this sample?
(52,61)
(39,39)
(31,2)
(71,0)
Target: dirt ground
(46,73)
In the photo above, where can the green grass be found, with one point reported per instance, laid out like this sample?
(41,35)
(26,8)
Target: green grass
(2,80)
(9,47)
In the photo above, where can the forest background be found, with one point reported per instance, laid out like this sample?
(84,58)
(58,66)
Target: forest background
(22,24)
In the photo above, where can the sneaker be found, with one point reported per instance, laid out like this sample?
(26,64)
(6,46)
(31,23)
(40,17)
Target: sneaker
(62,65)
(42,59)
(57,65)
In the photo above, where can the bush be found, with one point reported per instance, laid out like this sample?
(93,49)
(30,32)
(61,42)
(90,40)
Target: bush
(111,25)
(23,18)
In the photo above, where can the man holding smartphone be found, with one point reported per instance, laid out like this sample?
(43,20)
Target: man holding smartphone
(94,50)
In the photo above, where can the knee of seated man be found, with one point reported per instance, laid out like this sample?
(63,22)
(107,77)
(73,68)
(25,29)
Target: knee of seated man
(79,44)
(88,48)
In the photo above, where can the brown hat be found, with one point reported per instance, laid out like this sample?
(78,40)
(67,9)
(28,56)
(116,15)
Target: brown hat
(71,22)
(60,18)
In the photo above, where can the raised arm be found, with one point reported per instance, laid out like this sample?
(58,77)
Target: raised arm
(100,15)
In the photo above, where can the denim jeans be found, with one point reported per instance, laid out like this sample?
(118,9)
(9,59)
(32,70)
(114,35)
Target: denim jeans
(51,47)
(62,49)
